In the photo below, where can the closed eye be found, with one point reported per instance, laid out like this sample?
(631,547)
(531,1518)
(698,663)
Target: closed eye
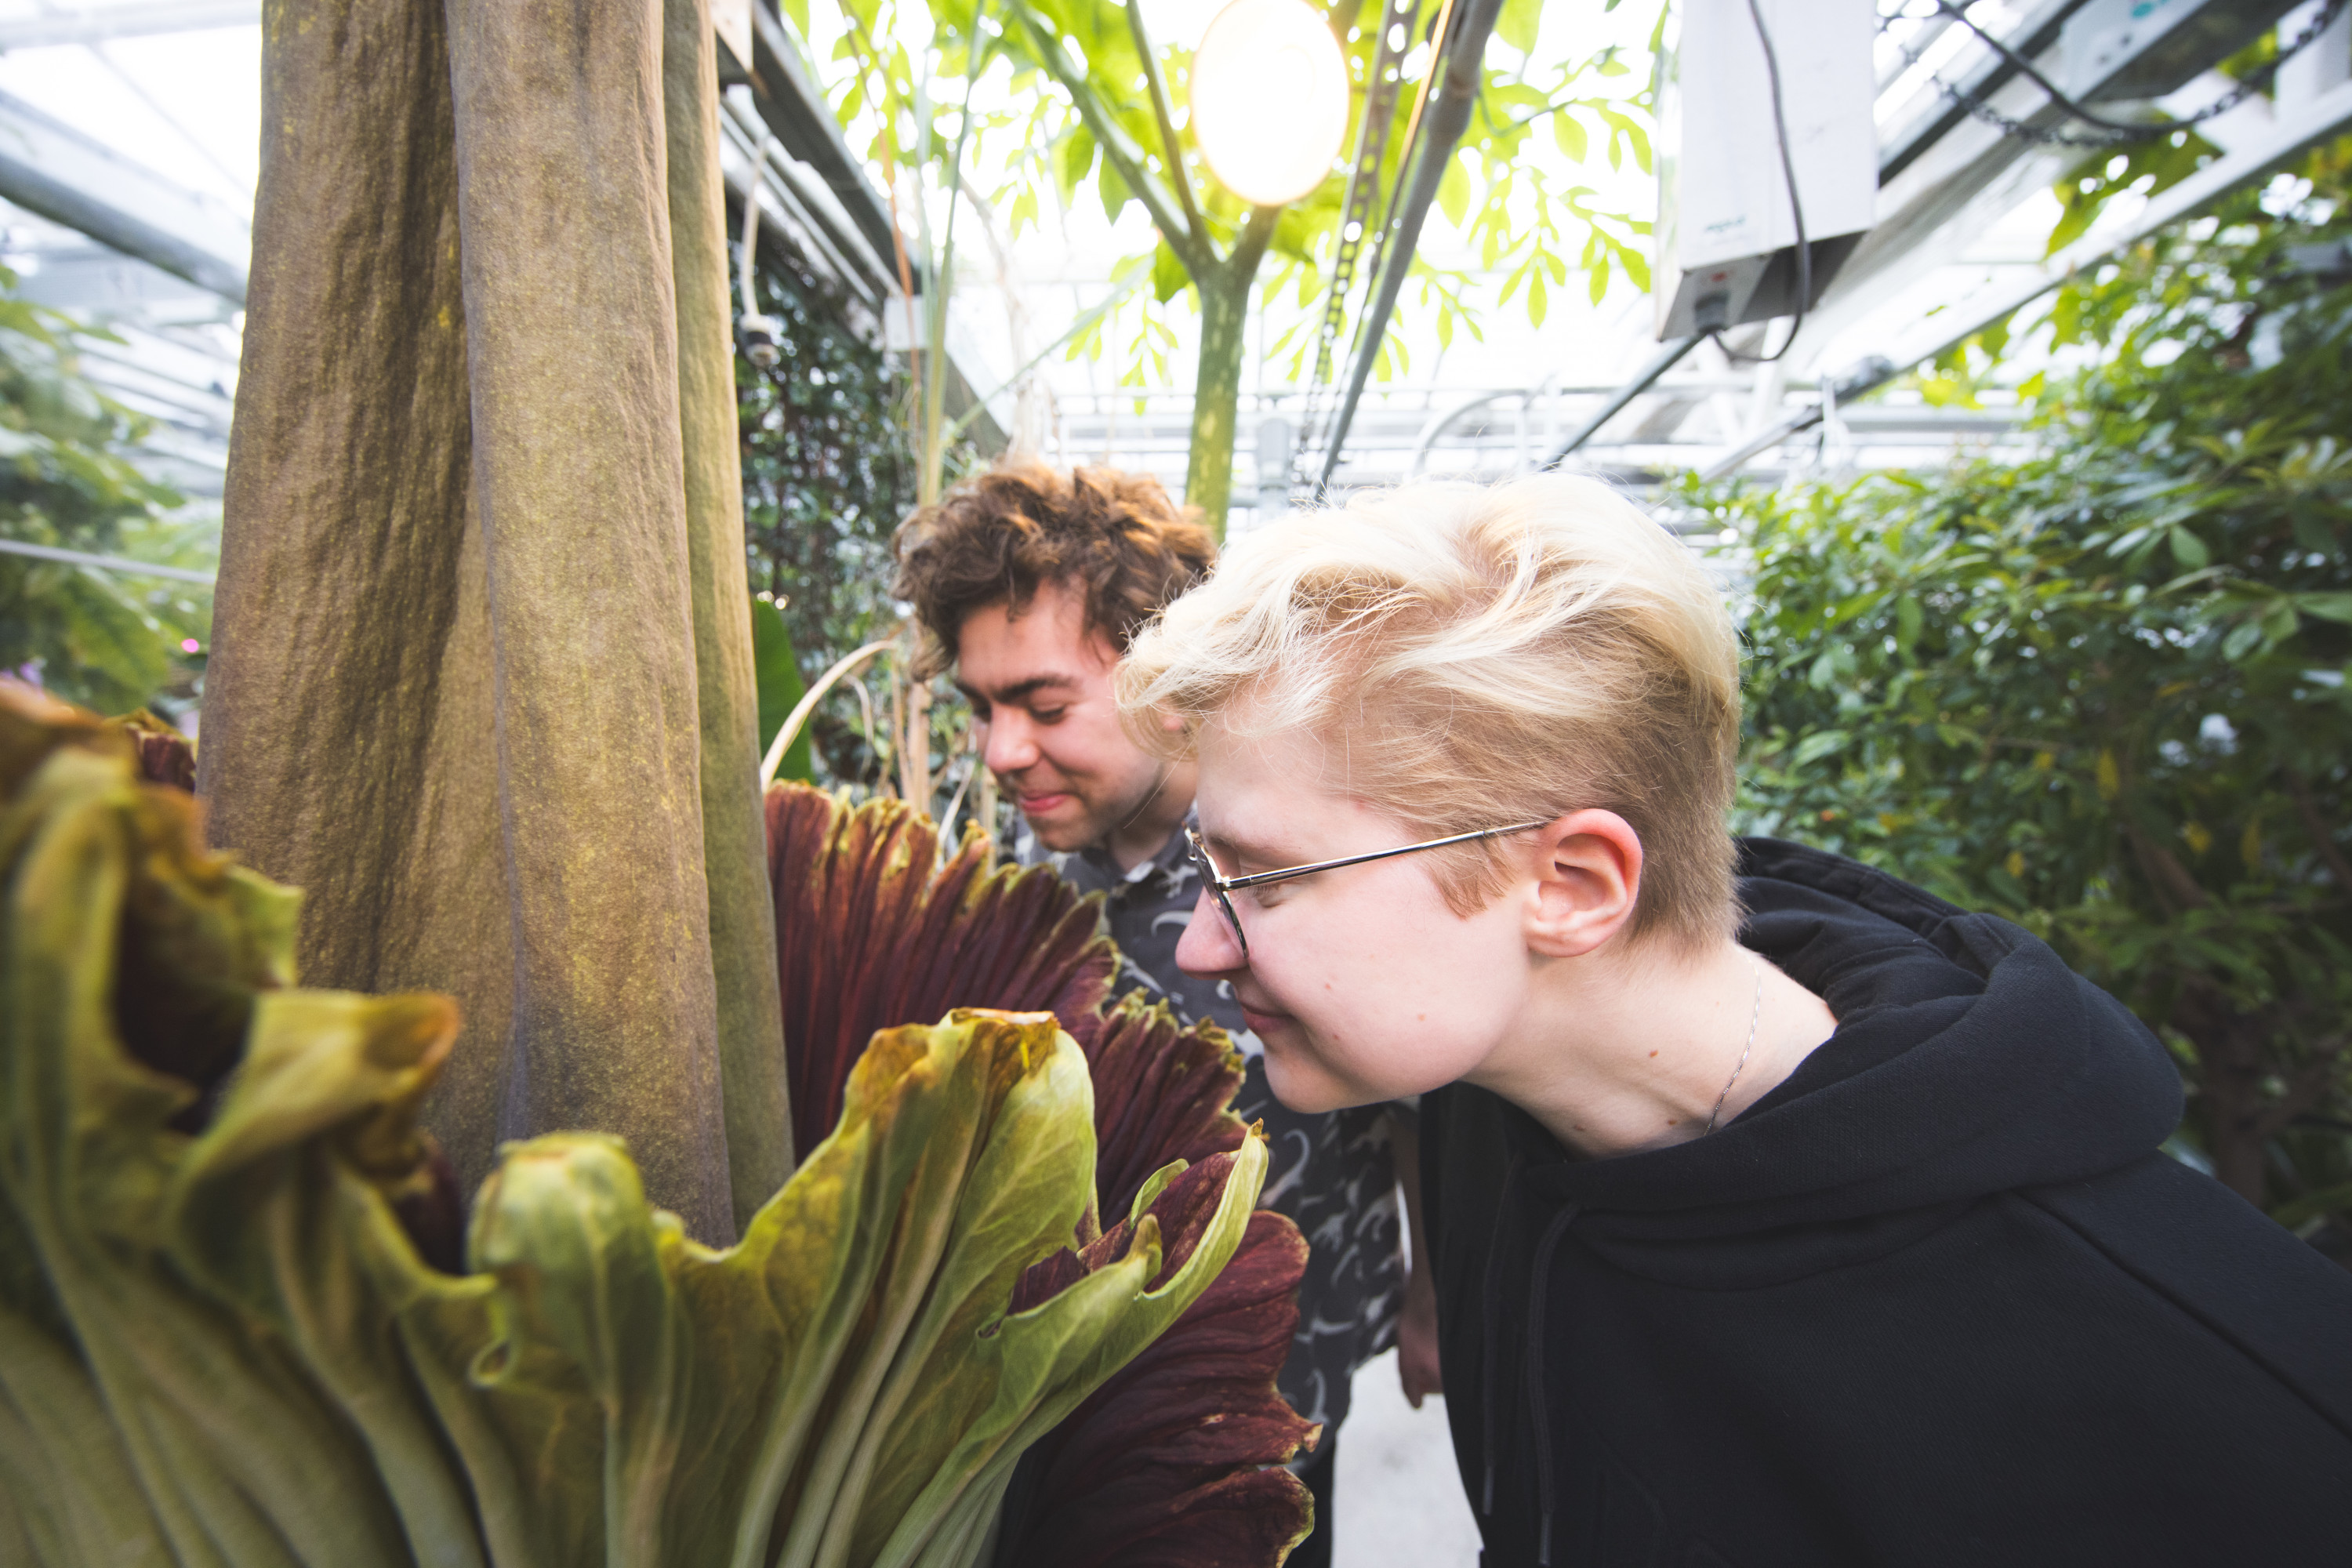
(1267,894)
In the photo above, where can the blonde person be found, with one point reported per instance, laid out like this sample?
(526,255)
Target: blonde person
(1779,1213)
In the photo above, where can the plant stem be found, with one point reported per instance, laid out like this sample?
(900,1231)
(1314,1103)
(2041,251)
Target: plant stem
(1216,393)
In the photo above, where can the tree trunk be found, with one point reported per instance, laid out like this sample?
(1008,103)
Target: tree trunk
(1224,294)
(1216,395)
(477,668)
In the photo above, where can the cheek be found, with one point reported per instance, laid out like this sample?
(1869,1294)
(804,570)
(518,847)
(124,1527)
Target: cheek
(1075,744)
(1406,999)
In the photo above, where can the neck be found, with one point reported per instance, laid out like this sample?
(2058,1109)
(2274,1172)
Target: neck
(1140,836)
(1618,1052)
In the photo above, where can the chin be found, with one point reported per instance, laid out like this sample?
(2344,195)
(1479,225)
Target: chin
(1063,834)
(1308,1092)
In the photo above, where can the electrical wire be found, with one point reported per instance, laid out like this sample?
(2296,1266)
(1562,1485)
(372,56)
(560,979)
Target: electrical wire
(2115,132)
(1796,205)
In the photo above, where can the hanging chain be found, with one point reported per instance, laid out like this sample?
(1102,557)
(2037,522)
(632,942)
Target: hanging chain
(1356,210)
(2258,80)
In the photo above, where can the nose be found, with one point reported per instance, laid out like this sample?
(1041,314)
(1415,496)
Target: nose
(1006,745)
(1207,946)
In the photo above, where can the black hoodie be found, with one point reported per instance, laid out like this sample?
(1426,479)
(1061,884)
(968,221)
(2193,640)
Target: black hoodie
(1939,1298)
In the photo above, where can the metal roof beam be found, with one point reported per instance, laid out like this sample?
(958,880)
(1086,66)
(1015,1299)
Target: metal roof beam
(789,99)
(98,23)
(2295,131)
(49,168)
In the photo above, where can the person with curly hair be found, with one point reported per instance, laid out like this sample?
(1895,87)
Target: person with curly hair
(1029,584)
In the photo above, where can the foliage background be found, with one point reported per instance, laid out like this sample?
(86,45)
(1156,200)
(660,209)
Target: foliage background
(108,640)
(1072,130)
(830,469)
(2102,691)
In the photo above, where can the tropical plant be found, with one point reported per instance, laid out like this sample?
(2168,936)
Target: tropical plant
(232,1323)
(484,679)
(1087,98)
(68,482)
(1176,1458)
(2102,690)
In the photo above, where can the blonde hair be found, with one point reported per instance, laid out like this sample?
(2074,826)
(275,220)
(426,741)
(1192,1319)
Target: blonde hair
(1487,654)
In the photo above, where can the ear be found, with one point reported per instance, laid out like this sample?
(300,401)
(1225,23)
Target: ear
(1589,875)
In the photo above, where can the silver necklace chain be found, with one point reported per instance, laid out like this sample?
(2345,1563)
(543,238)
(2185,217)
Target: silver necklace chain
(1755,1017)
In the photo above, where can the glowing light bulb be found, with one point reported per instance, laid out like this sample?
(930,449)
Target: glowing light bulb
(1269,100)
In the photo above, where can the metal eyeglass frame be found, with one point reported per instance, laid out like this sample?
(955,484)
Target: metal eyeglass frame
(1218,884)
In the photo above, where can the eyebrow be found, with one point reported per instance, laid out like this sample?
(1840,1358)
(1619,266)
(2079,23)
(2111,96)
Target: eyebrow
(1240,852)
(1020,690)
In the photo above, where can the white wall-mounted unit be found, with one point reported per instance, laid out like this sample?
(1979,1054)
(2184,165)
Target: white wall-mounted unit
(1727,234)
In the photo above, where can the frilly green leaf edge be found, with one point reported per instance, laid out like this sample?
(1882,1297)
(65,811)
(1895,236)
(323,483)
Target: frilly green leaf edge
(223,1348)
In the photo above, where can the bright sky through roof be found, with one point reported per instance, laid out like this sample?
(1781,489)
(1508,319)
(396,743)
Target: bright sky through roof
(187,105)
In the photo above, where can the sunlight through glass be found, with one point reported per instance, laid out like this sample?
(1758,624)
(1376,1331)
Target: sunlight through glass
(1270,99)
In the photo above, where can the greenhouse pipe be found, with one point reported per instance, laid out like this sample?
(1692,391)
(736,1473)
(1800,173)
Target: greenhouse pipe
(1665,360)
(807,705)
(42,193)
(1444,422)
(1858,381)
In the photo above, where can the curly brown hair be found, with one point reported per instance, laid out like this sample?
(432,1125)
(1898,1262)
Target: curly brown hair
(998,537)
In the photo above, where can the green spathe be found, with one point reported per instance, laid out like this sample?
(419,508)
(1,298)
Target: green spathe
(219,1345)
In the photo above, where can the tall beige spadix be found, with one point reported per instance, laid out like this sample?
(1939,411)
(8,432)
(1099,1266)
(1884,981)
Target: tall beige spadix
(482,678)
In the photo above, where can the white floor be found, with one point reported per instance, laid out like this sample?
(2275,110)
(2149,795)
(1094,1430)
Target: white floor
(1399,1498)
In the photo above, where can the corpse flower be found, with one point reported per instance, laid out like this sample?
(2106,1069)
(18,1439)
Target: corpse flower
(1175,1459)
(224,1340)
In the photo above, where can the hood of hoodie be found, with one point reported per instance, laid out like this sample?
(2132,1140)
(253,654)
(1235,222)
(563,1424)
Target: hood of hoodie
(1968,1060)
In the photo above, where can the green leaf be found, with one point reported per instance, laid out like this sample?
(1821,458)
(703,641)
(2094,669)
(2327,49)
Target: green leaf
(1813,748)
(2301,1211)
(1517,22)
(1568,131)
(777,674)
(1114,191)
(1169,276)
(2190,551)
(1453,191)
(1908,618)
(1073,161)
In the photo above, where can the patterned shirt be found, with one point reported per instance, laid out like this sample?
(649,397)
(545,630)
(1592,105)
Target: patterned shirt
(1331,1174)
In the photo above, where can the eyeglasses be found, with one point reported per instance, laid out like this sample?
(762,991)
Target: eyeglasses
(1218,884)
